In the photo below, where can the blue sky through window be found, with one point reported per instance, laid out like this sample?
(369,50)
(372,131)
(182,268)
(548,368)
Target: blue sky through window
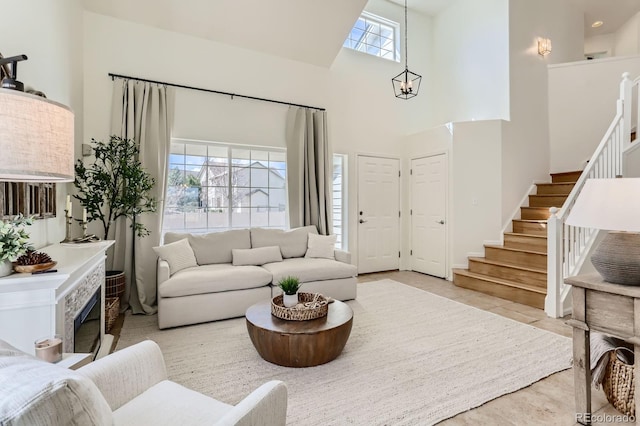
(375,36)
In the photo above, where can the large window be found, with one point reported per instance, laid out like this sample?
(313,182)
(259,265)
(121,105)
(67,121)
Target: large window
(339,198)
(376,36)
(214,187)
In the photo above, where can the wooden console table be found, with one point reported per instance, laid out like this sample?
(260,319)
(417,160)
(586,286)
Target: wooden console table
(608,308)
(36,306)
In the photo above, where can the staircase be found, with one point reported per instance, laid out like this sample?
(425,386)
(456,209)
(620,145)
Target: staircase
(517,270)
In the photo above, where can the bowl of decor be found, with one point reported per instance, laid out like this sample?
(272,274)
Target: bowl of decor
(290,287)
(33,261)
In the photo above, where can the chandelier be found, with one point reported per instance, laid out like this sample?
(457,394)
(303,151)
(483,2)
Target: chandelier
(407,83)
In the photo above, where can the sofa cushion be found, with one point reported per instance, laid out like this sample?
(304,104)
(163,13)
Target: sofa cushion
(178,255)
(214,279)
(168,403)
(215,247)
(292,243)
(307,270)
(34,392)
(321,246)
(256,256)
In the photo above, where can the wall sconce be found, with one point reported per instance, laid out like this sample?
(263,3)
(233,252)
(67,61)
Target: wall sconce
(544,46)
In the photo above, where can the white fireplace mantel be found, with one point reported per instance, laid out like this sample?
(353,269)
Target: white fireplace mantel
(41,305)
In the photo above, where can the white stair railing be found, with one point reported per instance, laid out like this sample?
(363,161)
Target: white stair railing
(568,246)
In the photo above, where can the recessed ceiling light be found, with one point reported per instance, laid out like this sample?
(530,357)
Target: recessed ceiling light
(597,24)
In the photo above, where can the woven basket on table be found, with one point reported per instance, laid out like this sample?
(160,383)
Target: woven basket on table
(618,384)
(290,314)
(111,312)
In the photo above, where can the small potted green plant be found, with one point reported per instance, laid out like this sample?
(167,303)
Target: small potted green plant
(290,287)
(14,242)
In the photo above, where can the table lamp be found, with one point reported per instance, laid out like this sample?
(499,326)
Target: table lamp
(613,205)
(36,139)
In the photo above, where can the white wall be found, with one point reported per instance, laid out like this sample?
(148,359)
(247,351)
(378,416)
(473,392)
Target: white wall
(627,38)
(49,33)
(600,43)
(477,172)
(363,114)
(582,103)
(525,147)
(471,61)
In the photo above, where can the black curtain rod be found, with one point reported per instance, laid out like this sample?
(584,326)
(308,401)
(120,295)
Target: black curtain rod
(181,86)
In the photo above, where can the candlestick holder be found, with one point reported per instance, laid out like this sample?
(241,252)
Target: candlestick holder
(69,221)
(86,238)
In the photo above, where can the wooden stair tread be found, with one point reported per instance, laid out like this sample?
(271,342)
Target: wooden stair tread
(566,177)
(566,173)
(531,220)
(507,265)
(549,195)
(501,281)
(520,234)
(514,249)
(536,208)
(555,183)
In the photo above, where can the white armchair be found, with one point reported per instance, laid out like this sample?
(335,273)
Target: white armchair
(134,391)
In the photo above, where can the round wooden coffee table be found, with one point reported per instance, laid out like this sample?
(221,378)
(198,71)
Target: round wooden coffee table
(299,343)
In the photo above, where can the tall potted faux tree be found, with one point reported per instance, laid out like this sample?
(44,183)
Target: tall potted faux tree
(115,186)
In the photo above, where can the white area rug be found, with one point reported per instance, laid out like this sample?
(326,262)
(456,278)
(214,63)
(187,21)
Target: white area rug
(412,358)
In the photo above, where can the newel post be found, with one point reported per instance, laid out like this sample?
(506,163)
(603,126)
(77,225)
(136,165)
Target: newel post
(555,277)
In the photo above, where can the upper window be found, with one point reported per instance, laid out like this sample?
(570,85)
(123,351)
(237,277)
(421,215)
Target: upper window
(376,36)
(214,187)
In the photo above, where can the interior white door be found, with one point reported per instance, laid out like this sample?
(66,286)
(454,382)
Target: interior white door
(378,214)
(428,215)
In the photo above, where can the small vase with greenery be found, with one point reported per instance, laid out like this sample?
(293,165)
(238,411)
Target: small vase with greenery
(115,186)
(290,287)
(14,242)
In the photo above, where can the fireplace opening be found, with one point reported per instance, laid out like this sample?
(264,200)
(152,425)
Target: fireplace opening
(86,326)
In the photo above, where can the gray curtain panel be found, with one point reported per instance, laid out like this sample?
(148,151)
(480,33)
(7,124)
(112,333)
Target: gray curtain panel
(309,169)
(143,112)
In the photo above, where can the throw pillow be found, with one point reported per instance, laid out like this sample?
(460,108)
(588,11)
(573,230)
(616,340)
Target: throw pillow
(321,246)
(256,256)
(292,243)
(178,255)
(214,247)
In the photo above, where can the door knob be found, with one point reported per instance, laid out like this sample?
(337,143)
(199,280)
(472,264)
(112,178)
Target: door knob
(362,221)
(441,222)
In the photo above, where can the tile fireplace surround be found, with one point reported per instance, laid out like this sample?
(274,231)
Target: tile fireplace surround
(36,306)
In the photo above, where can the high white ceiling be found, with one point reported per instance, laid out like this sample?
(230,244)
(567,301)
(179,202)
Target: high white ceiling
(426,7)
(613,13)
(311,31)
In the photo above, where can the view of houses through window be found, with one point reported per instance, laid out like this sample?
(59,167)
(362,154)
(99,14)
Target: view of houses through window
(214,187)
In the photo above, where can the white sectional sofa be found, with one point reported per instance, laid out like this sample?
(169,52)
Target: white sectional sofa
(229,273)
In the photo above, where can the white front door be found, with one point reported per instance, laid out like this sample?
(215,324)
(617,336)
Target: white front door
(378,214)
(428,215)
